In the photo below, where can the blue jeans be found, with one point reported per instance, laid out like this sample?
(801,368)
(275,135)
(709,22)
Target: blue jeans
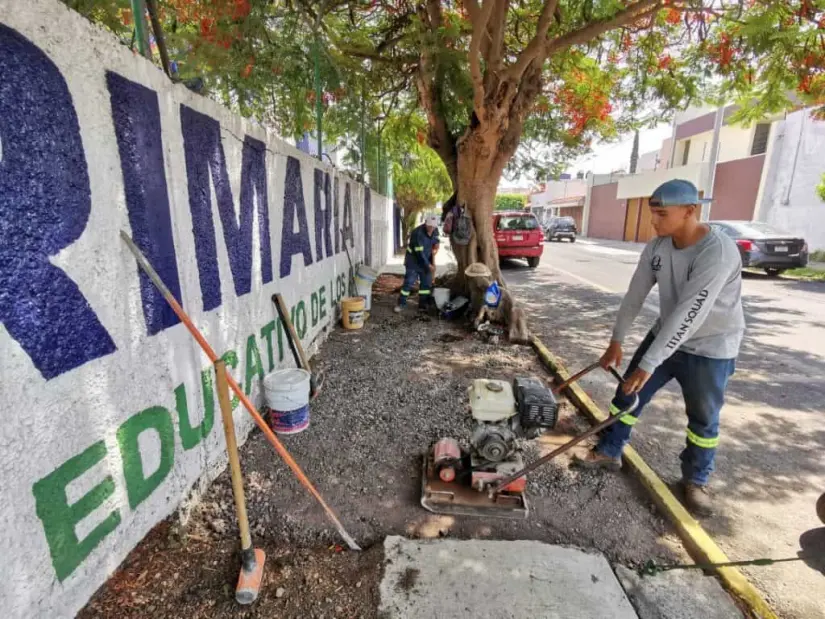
(411,276)
(703,381)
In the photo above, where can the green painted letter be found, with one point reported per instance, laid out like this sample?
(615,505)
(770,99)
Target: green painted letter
(266,333)
(301,316)
(139,486)
(322,301)
(230,358)
(190,436)
(313,307)
(253,364)
(59,518)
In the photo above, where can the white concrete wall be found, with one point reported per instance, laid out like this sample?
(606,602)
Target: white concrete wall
(96,447)
(648,161)
(643,185)
(556,190)
(734,143)
(795,167)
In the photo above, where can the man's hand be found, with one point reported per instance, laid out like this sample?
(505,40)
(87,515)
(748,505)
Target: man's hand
(635,381)
(612,356)
(432,269)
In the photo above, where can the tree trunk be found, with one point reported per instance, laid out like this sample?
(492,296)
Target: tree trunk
(479,172)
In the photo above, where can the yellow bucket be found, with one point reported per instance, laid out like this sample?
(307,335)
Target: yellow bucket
(352,312)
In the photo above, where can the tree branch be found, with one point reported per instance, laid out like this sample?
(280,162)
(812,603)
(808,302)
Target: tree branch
(429,92)
(479,33)
(633,12)
(536,46)
(493,52)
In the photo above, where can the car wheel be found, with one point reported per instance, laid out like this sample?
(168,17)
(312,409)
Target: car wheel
(573,239)
(774,272)
(533,262)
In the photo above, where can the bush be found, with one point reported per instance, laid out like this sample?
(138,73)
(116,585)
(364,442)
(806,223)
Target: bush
(511,202)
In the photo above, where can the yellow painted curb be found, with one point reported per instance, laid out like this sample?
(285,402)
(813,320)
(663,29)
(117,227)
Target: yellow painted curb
(698,543)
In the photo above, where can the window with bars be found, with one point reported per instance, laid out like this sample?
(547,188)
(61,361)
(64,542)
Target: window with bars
(760,139)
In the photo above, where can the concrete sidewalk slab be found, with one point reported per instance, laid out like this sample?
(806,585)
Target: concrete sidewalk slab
(444,579)
(678,595)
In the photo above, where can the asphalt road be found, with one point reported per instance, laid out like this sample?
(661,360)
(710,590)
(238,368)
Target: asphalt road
(771,460)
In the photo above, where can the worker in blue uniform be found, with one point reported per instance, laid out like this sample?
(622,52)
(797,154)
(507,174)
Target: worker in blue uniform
(419,264)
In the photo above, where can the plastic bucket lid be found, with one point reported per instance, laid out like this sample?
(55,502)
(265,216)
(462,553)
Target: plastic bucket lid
(367,273)
(287,390)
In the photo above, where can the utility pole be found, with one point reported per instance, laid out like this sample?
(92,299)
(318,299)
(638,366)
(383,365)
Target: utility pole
(319,109)
(363,136)
(151,5)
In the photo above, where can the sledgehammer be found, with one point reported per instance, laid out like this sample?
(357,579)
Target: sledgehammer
(252,559)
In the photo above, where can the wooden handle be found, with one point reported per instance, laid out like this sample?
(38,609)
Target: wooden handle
(287,320)
(250,407)
(232,450)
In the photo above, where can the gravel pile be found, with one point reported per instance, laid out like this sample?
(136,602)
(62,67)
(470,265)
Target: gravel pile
(392,389)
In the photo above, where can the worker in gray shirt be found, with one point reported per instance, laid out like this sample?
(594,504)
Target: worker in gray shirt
(695,339)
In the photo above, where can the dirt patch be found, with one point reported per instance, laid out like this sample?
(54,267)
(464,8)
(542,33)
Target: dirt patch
(172,574)
(391,389)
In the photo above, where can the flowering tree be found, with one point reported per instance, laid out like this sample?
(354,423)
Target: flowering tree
(501,85)
(515,85)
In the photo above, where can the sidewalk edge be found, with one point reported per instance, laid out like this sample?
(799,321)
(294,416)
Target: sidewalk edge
(698,543)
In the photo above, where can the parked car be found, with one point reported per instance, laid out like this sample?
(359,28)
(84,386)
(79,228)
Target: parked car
(561,228)
(764,247)
(518,235)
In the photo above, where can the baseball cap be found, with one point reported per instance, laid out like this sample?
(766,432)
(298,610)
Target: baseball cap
(432,220)
(676,193)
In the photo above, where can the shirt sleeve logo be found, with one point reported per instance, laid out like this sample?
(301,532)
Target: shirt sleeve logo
(656,263)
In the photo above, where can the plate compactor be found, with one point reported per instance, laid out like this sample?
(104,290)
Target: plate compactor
(489,478)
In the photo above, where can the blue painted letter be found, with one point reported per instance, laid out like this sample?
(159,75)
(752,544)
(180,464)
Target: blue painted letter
(45,201)
(323,216)
(136,117)
(205,159)
(348,232)
(294,242)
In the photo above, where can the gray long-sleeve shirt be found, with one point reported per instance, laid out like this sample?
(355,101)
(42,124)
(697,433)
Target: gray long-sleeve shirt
(700,304)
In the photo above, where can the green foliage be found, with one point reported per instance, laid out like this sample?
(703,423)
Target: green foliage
(380,60)
(510,202)
(820,189)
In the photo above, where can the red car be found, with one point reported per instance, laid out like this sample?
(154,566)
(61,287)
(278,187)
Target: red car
(518,235)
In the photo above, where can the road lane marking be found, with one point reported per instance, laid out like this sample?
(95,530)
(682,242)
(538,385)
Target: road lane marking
(648,304)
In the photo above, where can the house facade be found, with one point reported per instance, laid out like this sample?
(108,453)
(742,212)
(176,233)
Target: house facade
(767,171)
(565,197)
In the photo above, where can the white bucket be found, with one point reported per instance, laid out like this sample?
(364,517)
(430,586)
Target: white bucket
(441,297)
(287,395)
(364,278)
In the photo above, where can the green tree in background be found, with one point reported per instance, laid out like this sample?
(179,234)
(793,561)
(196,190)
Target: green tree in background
(510,202)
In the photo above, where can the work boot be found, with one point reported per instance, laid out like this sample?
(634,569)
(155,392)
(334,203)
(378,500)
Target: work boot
(398,309)
(698,499)
(595,460)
